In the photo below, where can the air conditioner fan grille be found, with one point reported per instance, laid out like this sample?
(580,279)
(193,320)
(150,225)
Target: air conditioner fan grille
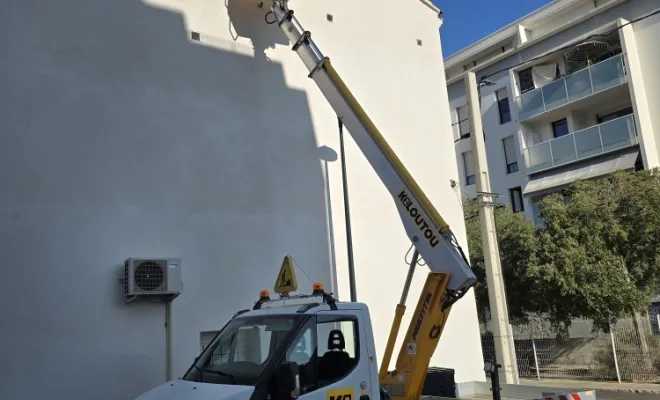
(149,276)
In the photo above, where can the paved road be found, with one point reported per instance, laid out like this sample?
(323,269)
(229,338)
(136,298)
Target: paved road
(586,385)
(600,395)
(614,395)
(604,390)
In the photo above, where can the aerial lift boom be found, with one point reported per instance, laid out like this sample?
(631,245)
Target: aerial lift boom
(428,231)
(450,275)
(273,331)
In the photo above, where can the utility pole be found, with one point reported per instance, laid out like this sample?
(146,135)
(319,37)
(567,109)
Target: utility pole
(504,352)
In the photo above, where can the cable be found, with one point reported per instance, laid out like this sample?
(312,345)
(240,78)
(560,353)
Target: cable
(454,241)
(471,216)
(266,18)
(465,135)
(461,121)
(569,45)
(301,268)
(405,258)
(458,191)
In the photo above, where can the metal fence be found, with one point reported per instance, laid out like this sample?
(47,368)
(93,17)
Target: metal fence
(630,351)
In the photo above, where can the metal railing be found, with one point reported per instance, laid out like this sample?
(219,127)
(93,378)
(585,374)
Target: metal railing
(630,351)
(608,136)
(578,85)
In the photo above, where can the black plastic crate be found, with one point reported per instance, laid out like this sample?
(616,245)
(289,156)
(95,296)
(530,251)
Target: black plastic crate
(440,382)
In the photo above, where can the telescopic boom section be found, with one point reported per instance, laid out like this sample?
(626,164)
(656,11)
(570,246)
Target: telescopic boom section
(428,231)
(427,324)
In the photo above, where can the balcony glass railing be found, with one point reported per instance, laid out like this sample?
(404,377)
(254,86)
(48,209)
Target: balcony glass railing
(611,135)
(575,86)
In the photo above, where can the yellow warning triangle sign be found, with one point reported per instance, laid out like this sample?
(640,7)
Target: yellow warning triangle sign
(286,280)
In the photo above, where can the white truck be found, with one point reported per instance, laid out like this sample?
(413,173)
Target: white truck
(314,347)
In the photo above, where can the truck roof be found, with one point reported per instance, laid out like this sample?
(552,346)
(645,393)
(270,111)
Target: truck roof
(306,304)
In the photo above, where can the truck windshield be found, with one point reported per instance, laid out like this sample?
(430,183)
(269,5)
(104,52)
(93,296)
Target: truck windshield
(241,351)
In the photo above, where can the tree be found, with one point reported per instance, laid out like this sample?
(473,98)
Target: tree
(601,247)
(517,242)
(596,257)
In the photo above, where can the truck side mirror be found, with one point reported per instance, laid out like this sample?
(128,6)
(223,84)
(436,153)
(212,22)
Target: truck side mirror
(287,381)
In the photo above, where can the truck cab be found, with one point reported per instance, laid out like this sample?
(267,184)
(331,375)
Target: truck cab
(307,347)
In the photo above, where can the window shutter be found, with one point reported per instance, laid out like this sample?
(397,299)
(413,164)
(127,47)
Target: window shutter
(467,163)
(510,150)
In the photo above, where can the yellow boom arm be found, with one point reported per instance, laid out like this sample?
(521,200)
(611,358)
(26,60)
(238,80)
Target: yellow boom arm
(421,340)
(427,230)
(450,277)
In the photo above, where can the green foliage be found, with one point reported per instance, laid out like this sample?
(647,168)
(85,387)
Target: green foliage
(602,247)
(517,241)
(597,256)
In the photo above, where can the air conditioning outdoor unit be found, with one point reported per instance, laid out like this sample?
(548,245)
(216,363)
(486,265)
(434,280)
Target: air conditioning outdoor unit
(157,278)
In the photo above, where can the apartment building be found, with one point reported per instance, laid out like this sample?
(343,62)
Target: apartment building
(570,91)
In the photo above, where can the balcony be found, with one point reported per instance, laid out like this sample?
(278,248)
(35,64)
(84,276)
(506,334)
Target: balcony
(598,139)
(578,85)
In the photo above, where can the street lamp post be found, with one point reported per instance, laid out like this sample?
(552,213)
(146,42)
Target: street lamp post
(347,215)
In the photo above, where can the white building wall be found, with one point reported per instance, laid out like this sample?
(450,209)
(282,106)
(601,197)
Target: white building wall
(120,137)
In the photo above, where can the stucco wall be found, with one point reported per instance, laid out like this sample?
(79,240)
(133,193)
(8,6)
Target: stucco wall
(121,137)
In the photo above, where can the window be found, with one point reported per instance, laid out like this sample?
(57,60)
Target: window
(462,121)
(245,345)
(468,167)
(560,128)
(515,194)
(510,155)
(239,353)
(325,351)
(526,80)
(503,105)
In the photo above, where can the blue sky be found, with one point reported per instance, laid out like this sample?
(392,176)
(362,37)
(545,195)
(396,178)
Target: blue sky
(466,21)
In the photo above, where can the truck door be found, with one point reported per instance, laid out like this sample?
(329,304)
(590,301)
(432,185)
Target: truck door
(332,357)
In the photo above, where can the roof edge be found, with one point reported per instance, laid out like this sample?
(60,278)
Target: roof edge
(431,6)
(509,29)
(534,41)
